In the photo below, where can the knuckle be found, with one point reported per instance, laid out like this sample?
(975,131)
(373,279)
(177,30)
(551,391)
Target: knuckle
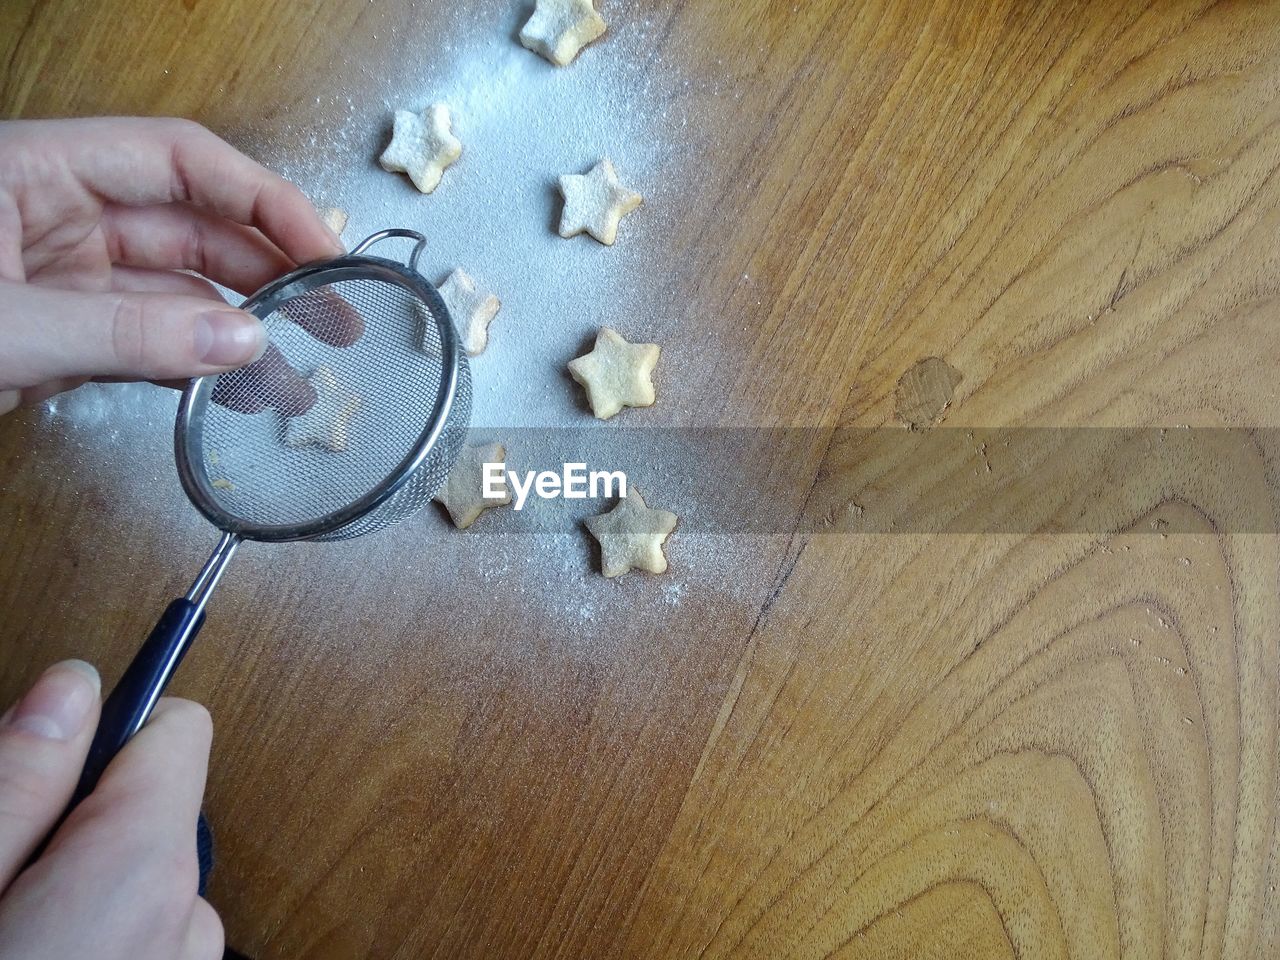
(193,245)
(150,338)
(163,879)
(185,131)
(288,189)
(181,125)
(275,192)
(179,871)
(130,343)
(186,139)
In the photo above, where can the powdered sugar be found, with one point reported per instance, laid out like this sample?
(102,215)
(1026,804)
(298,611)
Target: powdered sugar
(522,123)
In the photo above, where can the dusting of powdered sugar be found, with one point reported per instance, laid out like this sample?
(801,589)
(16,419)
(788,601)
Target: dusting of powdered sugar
(522,123)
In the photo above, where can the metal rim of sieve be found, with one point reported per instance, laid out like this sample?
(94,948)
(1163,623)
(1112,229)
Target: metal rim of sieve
(189,426)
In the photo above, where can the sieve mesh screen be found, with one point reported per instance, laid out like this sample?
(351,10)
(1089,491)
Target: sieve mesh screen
(382,344)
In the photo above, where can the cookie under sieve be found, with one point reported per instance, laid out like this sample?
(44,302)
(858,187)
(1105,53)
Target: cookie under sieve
(386,337)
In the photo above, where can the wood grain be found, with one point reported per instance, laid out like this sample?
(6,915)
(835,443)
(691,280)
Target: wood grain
(940,743)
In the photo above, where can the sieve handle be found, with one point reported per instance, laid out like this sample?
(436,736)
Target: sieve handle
(134,697)
(131,702)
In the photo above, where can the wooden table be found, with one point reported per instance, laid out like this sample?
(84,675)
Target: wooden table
(1020,726)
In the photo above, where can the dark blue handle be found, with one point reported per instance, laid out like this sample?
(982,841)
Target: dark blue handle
(131,702)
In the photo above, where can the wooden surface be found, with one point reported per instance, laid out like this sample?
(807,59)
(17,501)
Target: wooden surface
(1028,743)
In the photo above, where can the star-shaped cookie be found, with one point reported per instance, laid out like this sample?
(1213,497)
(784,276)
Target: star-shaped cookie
(472,309)
(325,424)
(422,146)
(631,536)
(558,29)
(595,202)
(463,492)
(616,373)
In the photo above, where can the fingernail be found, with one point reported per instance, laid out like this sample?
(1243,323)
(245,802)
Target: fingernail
(58,706)
(229,338)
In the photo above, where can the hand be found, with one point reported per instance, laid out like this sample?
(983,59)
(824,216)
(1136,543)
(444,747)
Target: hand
(118,880)
(97,218)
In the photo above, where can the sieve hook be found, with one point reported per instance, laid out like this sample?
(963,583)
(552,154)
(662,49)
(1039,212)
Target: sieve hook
(381,235)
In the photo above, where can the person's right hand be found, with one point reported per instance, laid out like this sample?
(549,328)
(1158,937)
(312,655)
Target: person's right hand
(118,880)
(99,221)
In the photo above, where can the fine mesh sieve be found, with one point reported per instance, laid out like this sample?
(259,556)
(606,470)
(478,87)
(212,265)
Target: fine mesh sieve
(371,332)
(384,335)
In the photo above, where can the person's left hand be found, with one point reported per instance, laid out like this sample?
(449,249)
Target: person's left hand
(98,219)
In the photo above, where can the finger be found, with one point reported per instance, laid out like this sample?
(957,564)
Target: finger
(267,382)
(205,937)
(135,280)
(172,384)
(49,334)
(167,384)
(147,802)
(174,235)
(326,315)
(44,740)
(139,161)
(41,392)
(12,399)
(179,236)
(158,778)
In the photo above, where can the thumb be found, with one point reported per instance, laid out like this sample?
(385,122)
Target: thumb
(52,334)
(43,742)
